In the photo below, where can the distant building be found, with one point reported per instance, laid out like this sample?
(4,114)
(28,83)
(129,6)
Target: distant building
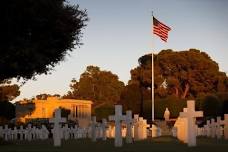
(80,110)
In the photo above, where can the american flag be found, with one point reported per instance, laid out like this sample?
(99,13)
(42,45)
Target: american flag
(160,29)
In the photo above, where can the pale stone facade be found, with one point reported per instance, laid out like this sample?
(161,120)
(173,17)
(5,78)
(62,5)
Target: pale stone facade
(80,109)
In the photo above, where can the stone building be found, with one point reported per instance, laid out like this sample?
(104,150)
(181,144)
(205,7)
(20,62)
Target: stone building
(80,110)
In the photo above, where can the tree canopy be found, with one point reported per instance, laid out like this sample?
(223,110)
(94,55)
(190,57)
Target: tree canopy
(185,74)
(36,35)
(44,96)
(9,92)
(102,87)
(178,76)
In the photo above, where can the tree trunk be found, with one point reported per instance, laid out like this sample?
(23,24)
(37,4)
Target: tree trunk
(187,87)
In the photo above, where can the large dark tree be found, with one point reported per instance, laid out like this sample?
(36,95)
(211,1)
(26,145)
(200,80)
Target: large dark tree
(183,74)
(178,76)
(36,35)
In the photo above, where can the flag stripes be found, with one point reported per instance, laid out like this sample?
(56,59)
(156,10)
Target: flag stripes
(160,29)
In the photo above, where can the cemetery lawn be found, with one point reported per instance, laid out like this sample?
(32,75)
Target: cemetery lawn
(161,144)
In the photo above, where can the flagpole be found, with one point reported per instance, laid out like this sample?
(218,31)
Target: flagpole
(152,74)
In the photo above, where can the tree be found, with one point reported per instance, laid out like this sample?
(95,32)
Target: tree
(7,111)
(211,106)
(36,35)
(44,96)
(64,112)
(9,92)
(102,87)
(130,98)
(184,75)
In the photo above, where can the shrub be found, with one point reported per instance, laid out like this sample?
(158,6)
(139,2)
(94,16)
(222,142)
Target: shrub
(211,106)
(104,111)
(174,104)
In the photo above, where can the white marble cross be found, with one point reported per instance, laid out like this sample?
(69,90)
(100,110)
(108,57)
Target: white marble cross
(144,128)
(29,132)
(225,123)
(56,130)
(14,133)
(207,128)
(213,128)
(118,118)
(129,123)
(93,128)
(190,115)
(181,127)
(6,132)
(154,131)
(219,133)
(66,132)
(44,132)
(75,132)
(104,127)
(21,132)
(34,133)
(136,127)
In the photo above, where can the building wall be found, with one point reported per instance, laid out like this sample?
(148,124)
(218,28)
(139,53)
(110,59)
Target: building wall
(79,109)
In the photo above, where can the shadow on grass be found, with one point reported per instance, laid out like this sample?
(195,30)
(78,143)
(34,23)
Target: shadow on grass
(161,144)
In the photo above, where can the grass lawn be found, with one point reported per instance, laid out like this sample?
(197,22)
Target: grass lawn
(161,144)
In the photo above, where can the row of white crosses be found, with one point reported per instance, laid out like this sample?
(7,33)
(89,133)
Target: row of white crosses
(140,128)
(186,124)
(29,133)
(98,130)
(136,128)
(65,132)
(214,128)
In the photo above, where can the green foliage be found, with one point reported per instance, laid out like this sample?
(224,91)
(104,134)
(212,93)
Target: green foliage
(179,76)
(135,98)
(147,109)
(104,111)
(211,106)
(186,74)
(174,104)
(9,92)
(36,35)
(65,112)
(101,87)
(96,85)
(44,96)
(130,98)
(225,106)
